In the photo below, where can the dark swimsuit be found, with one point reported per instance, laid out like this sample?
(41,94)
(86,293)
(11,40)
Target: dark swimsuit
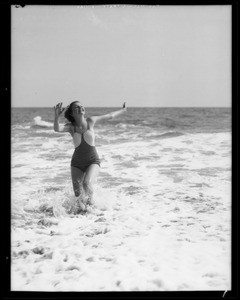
(84,155)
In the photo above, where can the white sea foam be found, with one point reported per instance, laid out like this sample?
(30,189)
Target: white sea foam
(161,219)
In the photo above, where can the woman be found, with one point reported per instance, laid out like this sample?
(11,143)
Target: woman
(85,161)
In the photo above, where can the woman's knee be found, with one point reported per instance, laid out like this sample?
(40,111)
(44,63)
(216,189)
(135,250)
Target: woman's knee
(77,193)
(76,187)
(87,184)
(77,176)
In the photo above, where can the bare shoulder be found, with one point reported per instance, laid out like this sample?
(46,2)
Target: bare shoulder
(91,122)
(90,119)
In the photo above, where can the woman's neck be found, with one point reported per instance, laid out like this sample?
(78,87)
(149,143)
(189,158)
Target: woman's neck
(80,122)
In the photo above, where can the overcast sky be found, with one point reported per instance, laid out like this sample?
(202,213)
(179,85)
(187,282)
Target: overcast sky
(103,55)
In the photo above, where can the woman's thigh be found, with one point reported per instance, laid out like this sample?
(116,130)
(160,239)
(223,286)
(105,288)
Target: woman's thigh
(77,177)
(91,174)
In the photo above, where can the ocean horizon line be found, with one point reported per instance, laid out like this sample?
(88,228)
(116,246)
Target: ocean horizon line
(130,107)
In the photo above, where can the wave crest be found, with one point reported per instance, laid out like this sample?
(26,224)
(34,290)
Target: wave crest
(38,122)
(166,135)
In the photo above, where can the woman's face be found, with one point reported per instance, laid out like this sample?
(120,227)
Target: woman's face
(77,109)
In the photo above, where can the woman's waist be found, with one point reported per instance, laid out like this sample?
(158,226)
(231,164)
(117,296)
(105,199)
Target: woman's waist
(76,160)
(85,154)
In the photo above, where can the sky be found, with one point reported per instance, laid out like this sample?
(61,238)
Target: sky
(102,56)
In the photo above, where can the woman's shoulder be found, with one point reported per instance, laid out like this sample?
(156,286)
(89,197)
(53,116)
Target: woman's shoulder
(89,119)
(90,122)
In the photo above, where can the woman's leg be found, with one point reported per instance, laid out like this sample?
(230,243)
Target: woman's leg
(89,179)
(77,178)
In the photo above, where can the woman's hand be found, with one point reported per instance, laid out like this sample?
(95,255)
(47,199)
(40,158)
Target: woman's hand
(58,109)
(124,106)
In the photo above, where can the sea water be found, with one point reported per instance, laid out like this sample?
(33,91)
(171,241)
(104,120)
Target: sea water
(162,213)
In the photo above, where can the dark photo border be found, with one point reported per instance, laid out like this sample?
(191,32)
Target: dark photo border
(6,293)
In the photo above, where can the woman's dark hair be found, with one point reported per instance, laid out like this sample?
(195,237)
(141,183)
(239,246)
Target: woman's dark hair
(68,113)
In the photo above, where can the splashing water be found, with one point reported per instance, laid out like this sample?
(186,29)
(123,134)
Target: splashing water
(61,204)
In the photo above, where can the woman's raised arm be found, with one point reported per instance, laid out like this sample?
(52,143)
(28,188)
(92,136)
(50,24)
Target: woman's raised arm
(57,127)
(109,116)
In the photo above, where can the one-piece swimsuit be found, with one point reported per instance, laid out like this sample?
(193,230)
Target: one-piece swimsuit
(84,154)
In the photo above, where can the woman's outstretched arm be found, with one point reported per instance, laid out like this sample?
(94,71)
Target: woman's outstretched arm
(109,116)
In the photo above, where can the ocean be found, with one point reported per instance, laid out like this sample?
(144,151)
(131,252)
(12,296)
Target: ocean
(162,215)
